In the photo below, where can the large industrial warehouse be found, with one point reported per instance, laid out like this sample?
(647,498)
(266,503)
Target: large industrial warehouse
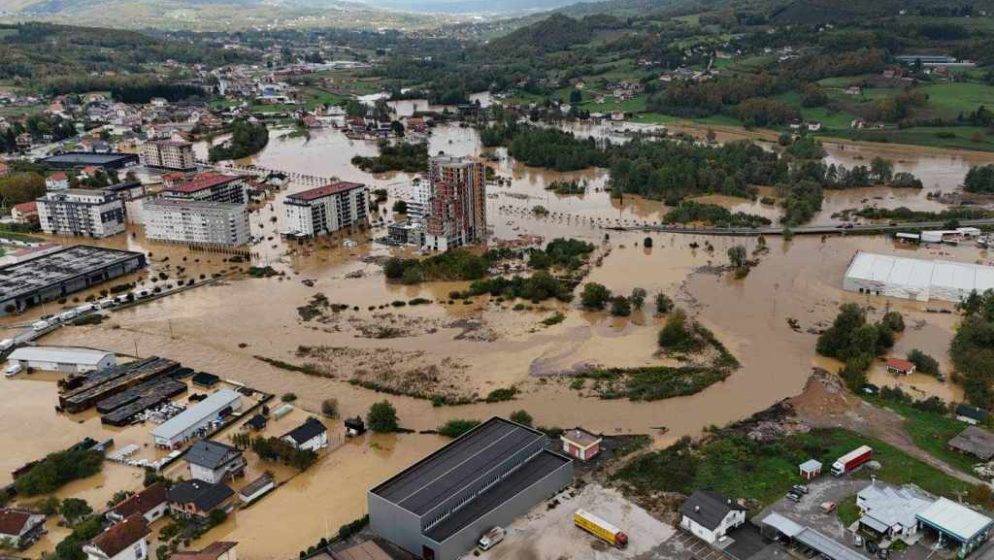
(917,279)
(438,508)
(57,274)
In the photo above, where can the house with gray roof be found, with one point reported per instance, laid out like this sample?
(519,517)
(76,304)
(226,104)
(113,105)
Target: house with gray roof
(890,511)
(198,498)
(213,461)
(709,516)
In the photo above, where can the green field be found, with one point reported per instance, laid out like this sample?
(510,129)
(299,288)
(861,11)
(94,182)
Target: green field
(950,99)
(931,431)
(959,137)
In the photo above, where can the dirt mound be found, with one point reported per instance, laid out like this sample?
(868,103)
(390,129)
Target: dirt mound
(823,396)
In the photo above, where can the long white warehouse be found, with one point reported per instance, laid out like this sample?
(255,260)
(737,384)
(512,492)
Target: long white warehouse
(62,358)
(186,424)
(917,279)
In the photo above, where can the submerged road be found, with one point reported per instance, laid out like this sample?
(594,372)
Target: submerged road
(862,229)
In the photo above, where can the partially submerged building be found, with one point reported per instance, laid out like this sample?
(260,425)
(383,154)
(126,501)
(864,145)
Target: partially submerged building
(438,508)
(915,279)
(64,359)
(57,274)
(186,424)
(327,209)
(20,529)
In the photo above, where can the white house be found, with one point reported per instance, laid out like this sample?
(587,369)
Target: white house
(127,540)
(890,511)
(709,516)
(20,529)
(214,462)
(310,435)
(150,503)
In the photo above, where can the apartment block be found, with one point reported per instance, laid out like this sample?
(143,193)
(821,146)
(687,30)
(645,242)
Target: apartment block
(196,222)
(457,206)
(213,187)
(327,209)
(79,212)
(168,154)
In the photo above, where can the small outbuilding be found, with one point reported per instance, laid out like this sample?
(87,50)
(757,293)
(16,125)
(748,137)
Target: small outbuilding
(971,414)
(897,366)
(256,489)
(311,435)
(974,441)
(810,469)
(581,444)
(218,550)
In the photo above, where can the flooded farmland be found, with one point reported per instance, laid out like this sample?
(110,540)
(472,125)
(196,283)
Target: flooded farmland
(468,350)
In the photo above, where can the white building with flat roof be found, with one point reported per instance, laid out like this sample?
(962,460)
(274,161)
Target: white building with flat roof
(186,424)
(326,209)
(65,359)
(196,222)
(917,279)
(80,212)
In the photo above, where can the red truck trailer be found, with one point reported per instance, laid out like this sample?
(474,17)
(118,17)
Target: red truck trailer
(850,461)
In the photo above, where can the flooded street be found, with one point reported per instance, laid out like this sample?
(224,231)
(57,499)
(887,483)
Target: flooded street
(465,350)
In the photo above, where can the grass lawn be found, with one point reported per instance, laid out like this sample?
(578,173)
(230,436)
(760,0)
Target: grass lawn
(313,97)
(636,105)
(951,99)
(931,431)
(738,467)
(958,137)
(19,237)
(847,511)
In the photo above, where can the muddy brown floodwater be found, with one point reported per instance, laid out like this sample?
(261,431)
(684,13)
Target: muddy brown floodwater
(465,350)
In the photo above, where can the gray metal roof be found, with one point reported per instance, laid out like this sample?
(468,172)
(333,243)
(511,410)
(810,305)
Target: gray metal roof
(60,354)
(195,414)
(540,466)
(441,474)
(59,266)
(210,454)
(975,441)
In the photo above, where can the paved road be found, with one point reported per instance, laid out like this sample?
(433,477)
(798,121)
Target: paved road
(856,229)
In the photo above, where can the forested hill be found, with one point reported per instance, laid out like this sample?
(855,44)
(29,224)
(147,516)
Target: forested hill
(42,52)
(555,33)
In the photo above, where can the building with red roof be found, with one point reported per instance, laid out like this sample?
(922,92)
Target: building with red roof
(897,366)
(127,540)
(150,503)
(327,209)
(212,187)
(25,212)
(19,528)
(57,181)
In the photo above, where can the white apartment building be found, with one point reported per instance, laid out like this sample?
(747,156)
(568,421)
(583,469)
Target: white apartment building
(326,209)
(418,200)
(168,154)
(196,222)
(80,212)
(214,187)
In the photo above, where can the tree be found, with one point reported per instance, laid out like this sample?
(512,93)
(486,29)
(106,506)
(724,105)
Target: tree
(882,169)
(575,96)
(737,256)
(521,417)
(400,207)
(663,303)
(397,128)
(73,510)
(382,417)
(620,306)
(594,296)
(457,427)
(329,407)
(637,298)
(923,362)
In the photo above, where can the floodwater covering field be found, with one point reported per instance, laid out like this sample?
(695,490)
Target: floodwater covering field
(470,349)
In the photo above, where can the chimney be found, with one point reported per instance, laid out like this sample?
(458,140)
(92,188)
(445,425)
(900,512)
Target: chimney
(697,508)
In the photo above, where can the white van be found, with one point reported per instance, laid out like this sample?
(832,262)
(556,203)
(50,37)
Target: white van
(491,538)
(11,370)
(6,344)
(39,326)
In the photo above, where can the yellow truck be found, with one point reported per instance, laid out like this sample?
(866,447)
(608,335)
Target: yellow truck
(600,528)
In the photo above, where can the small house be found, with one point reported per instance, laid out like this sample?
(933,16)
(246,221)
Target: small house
(198,498)
(898,366)
(710,516)
(127,540)
(150,503)
(20,529)
(25,212)
(970,414)
(57,181)
(810,469)
(204,379)
(581,444)
(256,423)
(311,435)
(218,550)
(214,462)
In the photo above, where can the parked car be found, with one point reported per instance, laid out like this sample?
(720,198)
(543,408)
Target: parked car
(6,344)
(12,370)
(828,507)
(793,497)
(799,489)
